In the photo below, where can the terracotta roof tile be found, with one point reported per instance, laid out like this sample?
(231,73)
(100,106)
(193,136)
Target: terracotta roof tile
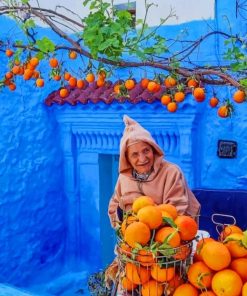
(92,93)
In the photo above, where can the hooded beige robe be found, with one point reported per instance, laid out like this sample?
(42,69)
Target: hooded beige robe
(166,184)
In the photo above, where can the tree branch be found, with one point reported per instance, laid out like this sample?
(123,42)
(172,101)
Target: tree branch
(220,77)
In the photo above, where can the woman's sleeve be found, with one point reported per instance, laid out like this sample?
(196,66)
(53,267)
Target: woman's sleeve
(113,206)
(175,190)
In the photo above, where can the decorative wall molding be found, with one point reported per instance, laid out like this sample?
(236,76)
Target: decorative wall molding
(91,131)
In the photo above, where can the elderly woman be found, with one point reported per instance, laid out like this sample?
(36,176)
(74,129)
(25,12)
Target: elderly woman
(143,171)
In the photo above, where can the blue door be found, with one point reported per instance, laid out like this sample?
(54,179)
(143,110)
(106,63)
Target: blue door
(108,174)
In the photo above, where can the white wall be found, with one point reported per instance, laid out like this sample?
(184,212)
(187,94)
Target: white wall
(185,10)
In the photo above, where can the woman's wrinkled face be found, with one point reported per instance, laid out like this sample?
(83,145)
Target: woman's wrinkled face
(141,157)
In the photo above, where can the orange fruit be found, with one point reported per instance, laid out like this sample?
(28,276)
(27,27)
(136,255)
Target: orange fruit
(30,66)
(223,111)
(144,82)
(162,274)
(137,232)
(7,82)
(244,290)
(21,71)
(216,255)
(229,229)
(16,69)
(53,62)
(187,227)
(182,252)
(170,82)
(27,74)
(67,76)
(63,92)
(8,75)
(166,215)
(9,52)
(234,243)
(102,74)
(36,74)
(127,221)
(80,83)
(129,84)
(57,77)
(90,77)
(239,96)
(173,284)
(186,290)
(157,87)
(40,82)
(145,257)
(169,235)
(200,275)
(127,284)
(240,266)
(72,81)
(72,55)
(207,293)
(152,85)
(199,94)
(34,61)
(227,283)
(165,100)
(100,82)
(200,244)
(172,210)
(179,96)
(137,274)
(116,88)
(12,86)
(213,102)
(124,249)
(151,216)
(152,288)
(172,107)
(140,202)
(192,83)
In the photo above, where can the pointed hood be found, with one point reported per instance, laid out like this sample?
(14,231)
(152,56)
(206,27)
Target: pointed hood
(134,133)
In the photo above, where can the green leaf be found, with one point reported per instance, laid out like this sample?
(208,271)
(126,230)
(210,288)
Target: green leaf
(85,2)
(167,252)
(45,45)
(170,222)
(40,55)
(243,82)
(18,42)
(244,240)
(24,1)
(29,24)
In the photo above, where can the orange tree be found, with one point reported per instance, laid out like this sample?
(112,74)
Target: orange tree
(106,39)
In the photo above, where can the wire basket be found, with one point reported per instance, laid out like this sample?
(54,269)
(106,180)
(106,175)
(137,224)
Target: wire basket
(162,270)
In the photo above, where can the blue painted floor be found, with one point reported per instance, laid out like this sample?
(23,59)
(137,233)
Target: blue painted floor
(71,284)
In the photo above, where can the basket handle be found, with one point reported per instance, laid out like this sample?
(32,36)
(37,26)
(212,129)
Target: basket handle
(219,225)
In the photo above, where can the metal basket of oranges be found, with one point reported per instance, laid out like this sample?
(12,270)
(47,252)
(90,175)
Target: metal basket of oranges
(154,251)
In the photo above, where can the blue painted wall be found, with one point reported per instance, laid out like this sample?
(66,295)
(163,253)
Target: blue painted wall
(33,214)
(32,203)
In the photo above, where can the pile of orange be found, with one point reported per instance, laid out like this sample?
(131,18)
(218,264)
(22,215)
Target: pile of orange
(156,259)
(220,267)
(154,248)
